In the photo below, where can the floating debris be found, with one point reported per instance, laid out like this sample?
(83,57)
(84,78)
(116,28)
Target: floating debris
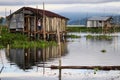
(103,50)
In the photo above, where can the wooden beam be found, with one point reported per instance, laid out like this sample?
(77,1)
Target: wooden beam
(86,67)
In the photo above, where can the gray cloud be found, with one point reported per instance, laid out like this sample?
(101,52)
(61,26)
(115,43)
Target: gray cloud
(97,9)
(32,2)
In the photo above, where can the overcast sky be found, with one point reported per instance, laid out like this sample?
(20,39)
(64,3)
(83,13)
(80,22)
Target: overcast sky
(63,5)
(32,2)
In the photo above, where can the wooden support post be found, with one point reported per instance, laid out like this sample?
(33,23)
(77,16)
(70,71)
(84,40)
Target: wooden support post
(35,27)
(44,33)
(29,26)
(23,21)
(59,50)
(58,35)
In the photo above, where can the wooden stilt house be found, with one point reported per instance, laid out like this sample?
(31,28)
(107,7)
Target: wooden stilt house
(32,21)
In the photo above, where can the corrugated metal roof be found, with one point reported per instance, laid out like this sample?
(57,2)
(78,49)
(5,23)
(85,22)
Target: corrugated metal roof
(40,12)
(96,18)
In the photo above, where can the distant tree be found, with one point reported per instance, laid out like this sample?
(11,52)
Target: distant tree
(1,20)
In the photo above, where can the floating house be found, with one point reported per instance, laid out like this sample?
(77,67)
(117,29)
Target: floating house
(99,22)
(33,21)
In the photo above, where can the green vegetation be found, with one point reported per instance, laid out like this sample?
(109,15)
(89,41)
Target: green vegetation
(93,29)
(1,46)
(84,29)
(72,36)
(17,40)
(99,37)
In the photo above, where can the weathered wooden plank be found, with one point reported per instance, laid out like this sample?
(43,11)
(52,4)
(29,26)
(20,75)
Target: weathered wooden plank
(86,67)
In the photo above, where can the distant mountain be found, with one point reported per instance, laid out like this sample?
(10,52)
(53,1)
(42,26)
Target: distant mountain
(116,19)
(80,18)
(78,22)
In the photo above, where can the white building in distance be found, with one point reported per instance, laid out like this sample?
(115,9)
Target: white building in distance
(99,22)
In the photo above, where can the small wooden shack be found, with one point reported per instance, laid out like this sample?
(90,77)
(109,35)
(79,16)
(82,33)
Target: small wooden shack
(36,22)
(98,21)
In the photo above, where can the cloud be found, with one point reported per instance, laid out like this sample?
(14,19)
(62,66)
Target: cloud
(102,7)
(106,7)
(34,2)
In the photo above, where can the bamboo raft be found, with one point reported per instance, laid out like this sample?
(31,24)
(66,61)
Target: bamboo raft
(87,67)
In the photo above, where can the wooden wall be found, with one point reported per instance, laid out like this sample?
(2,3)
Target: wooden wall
(51,24)
(16,21)
(26,21)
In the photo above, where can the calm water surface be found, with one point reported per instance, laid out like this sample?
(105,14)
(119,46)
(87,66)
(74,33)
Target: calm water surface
(22,64)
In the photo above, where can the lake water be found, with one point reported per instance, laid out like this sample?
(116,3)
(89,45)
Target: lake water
(23,64)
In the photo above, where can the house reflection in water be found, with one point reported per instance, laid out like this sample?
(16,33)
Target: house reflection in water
(26,58)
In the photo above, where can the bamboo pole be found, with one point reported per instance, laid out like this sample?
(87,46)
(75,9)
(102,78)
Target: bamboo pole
(36,23)
(44,35)
(59,50)
(86,67)
(58,35)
